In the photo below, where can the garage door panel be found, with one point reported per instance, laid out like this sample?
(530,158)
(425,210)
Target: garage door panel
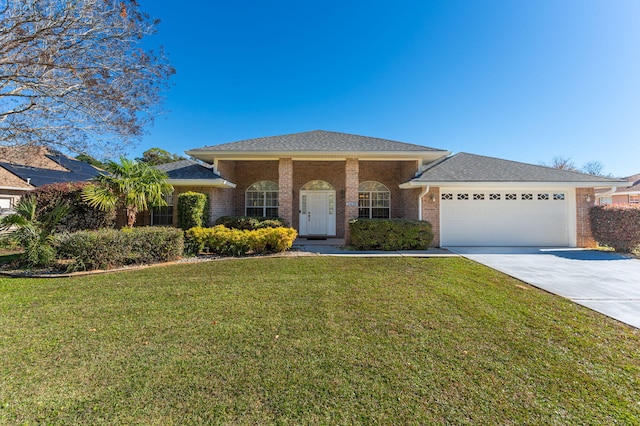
(486,218)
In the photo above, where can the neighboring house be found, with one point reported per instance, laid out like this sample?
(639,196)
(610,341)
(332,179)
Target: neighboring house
(318,181)
(629,195)
(22,169)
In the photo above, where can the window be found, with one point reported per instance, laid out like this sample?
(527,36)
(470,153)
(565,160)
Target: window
(163,216)
(543,197)
(558,197)
(510,197)
(374,201)
(527,197)
(261,199)
(634,199)
(478,197)
(447,196)
(605,201)
(463,196)
(495,197)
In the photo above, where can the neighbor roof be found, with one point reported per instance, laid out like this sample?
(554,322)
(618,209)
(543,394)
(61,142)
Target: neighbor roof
(634,189)
(464,167)
(319,141)
(189,172)
(69,170)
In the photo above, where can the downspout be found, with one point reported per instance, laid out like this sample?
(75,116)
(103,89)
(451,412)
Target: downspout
(422,194)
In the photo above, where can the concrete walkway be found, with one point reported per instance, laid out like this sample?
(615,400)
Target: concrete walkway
(608,283)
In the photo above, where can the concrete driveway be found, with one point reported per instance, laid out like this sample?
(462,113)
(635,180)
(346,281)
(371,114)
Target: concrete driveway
(605,282)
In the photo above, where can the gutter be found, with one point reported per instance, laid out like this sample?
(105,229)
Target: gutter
(11,188)
(422,194)
(218,183)
(511,184)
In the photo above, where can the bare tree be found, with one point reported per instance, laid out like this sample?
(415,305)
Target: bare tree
(75,74)
(595,168)
(562,163)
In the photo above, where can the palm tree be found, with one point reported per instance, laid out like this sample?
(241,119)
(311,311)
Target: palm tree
(35,233)
(134,185)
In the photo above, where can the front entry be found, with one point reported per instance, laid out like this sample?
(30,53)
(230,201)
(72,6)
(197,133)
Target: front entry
(317,213)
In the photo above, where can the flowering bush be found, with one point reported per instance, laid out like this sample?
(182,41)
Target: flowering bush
(237,242)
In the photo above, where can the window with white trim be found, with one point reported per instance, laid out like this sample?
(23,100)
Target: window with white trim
(374,201)
(261,199)
(634,199)
(605,201)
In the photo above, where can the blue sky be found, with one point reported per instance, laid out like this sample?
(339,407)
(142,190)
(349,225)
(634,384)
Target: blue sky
(515,79)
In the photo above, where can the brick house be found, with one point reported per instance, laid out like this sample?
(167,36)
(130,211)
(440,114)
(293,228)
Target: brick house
(24,168)
(626,195)
(317,181)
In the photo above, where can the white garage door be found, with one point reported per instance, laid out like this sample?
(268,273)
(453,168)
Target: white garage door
(505,218)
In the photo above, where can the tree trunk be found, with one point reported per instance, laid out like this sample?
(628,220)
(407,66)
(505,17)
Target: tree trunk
(132,212)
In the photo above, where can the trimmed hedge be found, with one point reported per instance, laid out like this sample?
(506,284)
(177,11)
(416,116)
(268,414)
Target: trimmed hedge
(191,209)
(237,242)
(112,248)
(82,216)
(617,227)
(250,223)
(390,234)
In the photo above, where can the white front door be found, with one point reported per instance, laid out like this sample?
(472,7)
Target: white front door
(317,213)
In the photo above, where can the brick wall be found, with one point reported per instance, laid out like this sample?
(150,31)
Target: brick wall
(245,174)
(431,213)
(352,180)
(404,203)
(583,223)
(285,190)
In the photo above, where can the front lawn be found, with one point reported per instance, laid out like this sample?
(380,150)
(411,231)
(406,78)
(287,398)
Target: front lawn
(310,340)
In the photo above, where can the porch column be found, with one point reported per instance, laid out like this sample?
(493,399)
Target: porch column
(285,190)
(352,168)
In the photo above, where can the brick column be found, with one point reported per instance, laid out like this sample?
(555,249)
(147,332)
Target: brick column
(352,168)
(584,237)
(285,188)
(431,213)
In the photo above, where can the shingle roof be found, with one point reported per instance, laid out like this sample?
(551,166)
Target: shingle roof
(464,167)
(187,169)
(78,171)
(320,141)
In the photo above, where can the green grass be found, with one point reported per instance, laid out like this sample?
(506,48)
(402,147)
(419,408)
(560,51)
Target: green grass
(310,340)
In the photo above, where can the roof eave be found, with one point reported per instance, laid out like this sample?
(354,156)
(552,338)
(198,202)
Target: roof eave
(511,184)
(208,155)
(14,188)
(216,183)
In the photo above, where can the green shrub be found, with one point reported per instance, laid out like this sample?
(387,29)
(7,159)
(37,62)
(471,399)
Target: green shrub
(111,248)
(81,216)
(238,242)
(250,223)
(617,227)
(191,209)
(390,234)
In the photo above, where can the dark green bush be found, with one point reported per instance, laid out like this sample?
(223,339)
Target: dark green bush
(250,223)
(191,210)
(617,227)
(390,234)
(82,216)
(111,248)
